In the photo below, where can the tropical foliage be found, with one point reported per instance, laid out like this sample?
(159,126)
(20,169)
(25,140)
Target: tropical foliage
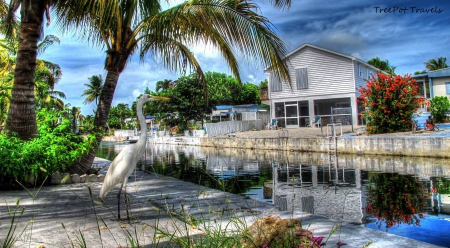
(434,64)
(225,90)
(118,114)
(55,148)
(390,102)
(264,83)
(439,105)
(189,102)
(47,75)
(382,65)
(94,89)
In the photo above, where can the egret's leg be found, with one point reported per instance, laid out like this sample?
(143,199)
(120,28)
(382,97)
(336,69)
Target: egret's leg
(124,184)
(127,202)
(118,201)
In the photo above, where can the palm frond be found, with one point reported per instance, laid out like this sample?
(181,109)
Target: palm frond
(230,26)
(10,23)
(281,4)
(47,42)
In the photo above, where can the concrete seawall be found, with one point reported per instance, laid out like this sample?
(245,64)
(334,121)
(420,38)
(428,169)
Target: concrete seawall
(438,147)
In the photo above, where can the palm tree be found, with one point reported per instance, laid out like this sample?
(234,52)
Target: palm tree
(125,26)
(94,89)
(22,114)
(47,75)
(433,64)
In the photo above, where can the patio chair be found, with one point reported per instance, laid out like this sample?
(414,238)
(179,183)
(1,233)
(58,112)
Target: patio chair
(317,121)
(273,124)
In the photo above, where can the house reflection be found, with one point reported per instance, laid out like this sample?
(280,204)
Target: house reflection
(341,193)
(332,192)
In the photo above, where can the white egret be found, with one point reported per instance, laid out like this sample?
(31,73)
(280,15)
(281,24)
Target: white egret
(125,162)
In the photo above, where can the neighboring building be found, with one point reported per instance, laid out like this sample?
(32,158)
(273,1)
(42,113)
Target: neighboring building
(321,79)
(234,112)
(434,83)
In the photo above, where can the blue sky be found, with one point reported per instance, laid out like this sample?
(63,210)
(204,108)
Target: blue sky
(405,34)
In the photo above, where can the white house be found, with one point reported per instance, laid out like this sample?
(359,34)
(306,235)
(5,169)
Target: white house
(321,80)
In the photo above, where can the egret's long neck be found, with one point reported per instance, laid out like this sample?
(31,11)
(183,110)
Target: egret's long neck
(143,137)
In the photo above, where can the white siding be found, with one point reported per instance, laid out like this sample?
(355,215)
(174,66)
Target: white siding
(328,74)
(359,82)
(439,86)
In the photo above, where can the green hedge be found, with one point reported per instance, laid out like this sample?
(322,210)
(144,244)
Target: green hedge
(54,149)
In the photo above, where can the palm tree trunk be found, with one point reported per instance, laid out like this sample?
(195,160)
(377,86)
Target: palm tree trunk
(22,114)
(101,117)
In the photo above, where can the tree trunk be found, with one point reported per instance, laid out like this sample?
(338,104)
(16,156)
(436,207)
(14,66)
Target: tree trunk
(100,127)
(22,113)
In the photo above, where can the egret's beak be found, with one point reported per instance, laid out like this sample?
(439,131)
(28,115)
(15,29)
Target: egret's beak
(160,98)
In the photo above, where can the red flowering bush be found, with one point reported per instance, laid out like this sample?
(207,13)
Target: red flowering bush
(390,102)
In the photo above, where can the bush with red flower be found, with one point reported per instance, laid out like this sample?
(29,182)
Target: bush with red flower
(390,102)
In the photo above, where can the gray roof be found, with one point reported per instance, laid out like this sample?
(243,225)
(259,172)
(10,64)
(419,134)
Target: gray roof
(440,73)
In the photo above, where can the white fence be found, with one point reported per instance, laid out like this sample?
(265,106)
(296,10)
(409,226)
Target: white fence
(225,127)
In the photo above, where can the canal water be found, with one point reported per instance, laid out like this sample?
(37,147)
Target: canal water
(405,196)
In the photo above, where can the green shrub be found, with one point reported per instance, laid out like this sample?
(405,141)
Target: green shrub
(54,149)
(438,106)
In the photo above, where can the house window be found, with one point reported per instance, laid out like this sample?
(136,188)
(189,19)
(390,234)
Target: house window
(301,78)
(275,83)
(362,72)
(447,88)
(369,74)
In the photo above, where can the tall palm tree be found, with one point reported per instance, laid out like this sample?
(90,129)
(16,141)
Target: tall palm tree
(433,64)
(94,89)
(22,114)
(126,26)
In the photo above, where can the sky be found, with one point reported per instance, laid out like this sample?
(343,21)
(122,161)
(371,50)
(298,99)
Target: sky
(407,33)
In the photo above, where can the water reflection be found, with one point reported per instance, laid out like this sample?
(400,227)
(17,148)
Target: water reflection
(402,195)
(395,199)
